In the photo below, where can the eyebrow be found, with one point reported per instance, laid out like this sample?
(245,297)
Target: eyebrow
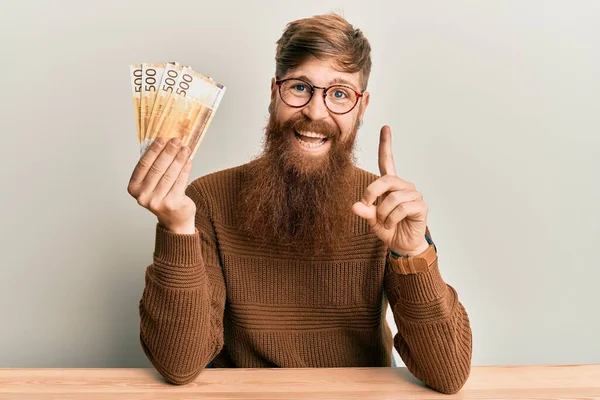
(335,81)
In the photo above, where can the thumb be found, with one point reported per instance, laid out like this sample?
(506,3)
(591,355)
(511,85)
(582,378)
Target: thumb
(367,212)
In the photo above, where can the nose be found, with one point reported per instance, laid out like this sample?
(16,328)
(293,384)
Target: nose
(316,109)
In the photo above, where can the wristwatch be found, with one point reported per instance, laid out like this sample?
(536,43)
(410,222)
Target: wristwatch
(396,255)
(404,264)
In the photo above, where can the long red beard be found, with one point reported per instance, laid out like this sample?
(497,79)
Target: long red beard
(295,199)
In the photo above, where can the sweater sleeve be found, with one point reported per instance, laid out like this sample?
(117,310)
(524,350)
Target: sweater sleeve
(181,309)
(434,335)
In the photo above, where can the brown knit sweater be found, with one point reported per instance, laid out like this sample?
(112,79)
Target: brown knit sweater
(218,295)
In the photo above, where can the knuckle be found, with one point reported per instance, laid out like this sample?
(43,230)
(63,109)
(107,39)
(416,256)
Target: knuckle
(182,155)
(181,181)
(131,190)
(155,204)
(155,148)
(172,149)
(169,205)
(168,177)
(155,169)
(143,163)
(142,200)
(395,196)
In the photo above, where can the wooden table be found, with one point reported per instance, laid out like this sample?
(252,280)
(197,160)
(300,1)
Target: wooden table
(531,382)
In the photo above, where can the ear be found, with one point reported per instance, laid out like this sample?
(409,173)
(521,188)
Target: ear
(273,95)
(273,89)
(365,103)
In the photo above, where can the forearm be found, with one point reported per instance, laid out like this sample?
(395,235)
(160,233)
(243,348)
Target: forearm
(176,331)
(434,333)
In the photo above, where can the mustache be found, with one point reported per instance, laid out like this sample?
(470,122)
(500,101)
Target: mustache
(302,123)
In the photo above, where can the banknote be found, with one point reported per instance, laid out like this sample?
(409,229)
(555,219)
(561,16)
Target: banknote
(190,106)
(199,129)
(136,87)
(152,74)
(160,110)
(206,115)
(173,101)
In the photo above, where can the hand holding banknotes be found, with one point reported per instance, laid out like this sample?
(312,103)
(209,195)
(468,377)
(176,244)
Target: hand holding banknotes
(173,106)
(159,181)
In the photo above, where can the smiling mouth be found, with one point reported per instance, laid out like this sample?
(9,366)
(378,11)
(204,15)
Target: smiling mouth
(311,140)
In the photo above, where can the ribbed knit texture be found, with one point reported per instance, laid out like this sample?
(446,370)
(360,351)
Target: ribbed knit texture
(220,295)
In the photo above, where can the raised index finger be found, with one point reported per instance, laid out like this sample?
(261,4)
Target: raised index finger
(386,158)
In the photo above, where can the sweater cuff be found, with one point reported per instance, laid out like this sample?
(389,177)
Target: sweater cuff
(177,249)
(419,277)
(177,259)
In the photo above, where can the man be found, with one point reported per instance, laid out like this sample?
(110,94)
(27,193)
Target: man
(290,260)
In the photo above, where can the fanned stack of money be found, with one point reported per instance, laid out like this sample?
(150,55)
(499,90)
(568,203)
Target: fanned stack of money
(170,101)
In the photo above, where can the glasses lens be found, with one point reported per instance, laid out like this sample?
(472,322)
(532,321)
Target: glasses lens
(340,99)
(295,92)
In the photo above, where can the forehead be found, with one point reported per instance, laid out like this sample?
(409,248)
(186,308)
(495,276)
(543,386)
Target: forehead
(324,73)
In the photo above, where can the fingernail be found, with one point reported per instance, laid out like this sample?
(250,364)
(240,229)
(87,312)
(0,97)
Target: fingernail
(175,141)
(160,141)
(185,150)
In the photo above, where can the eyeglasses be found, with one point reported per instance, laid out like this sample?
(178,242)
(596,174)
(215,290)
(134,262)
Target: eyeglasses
(339,99)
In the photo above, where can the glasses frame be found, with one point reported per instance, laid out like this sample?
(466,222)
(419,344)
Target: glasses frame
(312,87)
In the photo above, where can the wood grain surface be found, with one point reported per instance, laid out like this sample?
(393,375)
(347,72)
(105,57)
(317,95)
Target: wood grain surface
(507,382)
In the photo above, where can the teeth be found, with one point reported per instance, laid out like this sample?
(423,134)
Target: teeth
(310,145)
(312,134)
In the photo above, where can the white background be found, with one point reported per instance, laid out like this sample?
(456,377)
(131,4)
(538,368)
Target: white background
(494,109)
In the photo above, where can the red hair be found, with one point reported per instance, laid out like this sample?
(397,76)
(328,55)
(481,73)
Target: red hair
(324,36)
